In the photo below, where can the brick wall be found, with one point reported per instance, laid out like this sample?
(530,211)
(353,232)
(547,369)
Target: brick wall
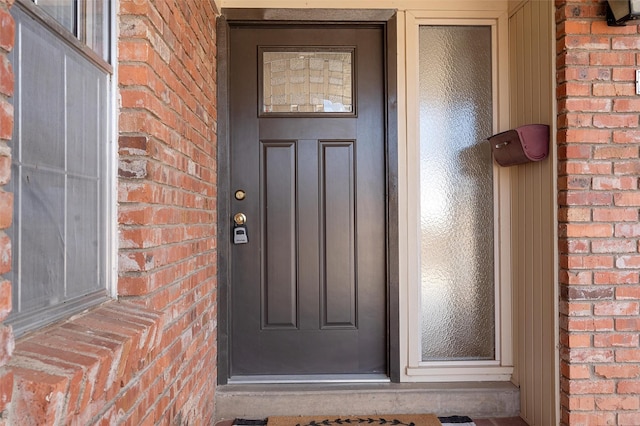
(599,198)
(150,357)
(7,34)
(167,186)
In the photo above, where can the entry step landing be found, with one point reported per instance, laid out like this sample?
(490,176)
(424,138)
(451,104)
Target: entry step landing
(475,399)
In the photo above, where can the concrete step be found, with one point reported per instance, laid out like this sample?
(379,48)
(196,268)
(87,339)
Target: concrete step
(476,399)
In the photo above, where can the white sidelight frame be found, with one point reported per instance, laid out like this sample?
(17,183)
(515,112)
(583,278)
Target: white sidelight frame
(413,369)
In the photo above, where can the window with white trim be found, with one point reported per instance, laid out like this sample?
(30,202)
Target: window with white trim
(60,159)
(458,288)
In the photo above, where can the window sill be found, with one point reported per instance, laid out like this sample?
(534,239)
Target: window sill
(61,371)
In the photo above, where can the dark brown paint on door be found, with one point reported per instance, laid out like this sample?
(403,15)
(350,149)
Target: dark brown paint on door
(308,292)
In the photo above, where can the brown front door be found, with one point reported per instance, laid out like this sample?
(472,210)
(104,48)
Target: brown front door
(307,131)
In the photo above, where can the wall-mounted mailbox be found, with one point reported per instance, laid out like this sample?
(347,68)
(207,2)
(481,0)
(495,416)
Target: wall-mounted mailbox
(521,145)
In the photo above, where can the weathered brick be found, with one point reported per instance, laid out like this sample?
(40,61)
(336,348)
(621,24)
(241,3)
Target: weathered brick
(572,371)
(38,397)
(628,262)
(581,403)
(628,355)
(627,324)
(613,89)
(583,387)
(588,293)
(612,58)
(7,31)
(593,230)
(588,105)
(629,386)
(576,277)
(626,105)
(6,72)
(629,418)
(6,119)
(617,371)
(628,292)
(5,253)
(616,308)
(591,418)
(627,230)
(5,299)
(615,152)
(6,209)
(615,277)
(626,136)
(6,388)
(590,324)
(617,403)
(614,246)
(615,340)
(619,182)
(585,198)
(628,167)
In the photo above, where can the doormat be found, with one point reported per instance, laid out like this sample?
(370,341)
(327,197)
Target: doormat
(377,420)
(388,420)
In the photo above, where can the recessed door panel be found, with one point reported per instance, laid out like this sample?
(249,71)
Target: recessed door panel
(280,282)
(338,225)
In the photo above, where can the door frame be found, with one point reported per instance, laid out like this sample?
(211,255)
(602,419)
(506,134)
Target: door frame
(385,19)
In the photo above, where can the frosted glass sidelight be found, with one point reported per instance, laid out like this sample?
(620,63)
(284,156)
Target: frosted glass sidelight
(456,194)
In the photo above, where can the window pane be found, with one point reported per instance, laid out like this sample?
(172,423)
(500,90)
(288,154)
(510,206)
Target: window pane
(456,184)
(86,100)
(87,20)
(42,238)
(307,82)
(97,27)
(83,237)
(43,119)
(62,11)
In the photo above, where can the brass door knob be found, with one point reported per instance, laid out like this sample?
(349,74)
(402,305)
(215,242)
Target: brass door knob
(240,218)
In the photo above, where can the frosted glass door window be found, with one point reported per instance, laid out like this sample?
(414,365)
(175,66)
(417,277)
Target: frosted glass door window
(307,82)
(456,199)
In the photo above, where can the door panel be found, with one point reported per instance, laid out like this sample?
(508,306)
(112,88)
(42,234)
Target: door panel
(308,292)
(280,304)
(338,283)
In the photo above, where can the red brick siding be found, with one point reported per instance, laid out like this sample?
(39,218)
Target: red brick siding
(7,37)
(149,358)
(599,199)
(167,196)
(167,147)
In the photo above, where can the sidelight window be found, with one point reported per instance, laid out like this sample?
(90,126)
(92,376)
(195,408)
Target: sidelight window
(456,185)
(458,289)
